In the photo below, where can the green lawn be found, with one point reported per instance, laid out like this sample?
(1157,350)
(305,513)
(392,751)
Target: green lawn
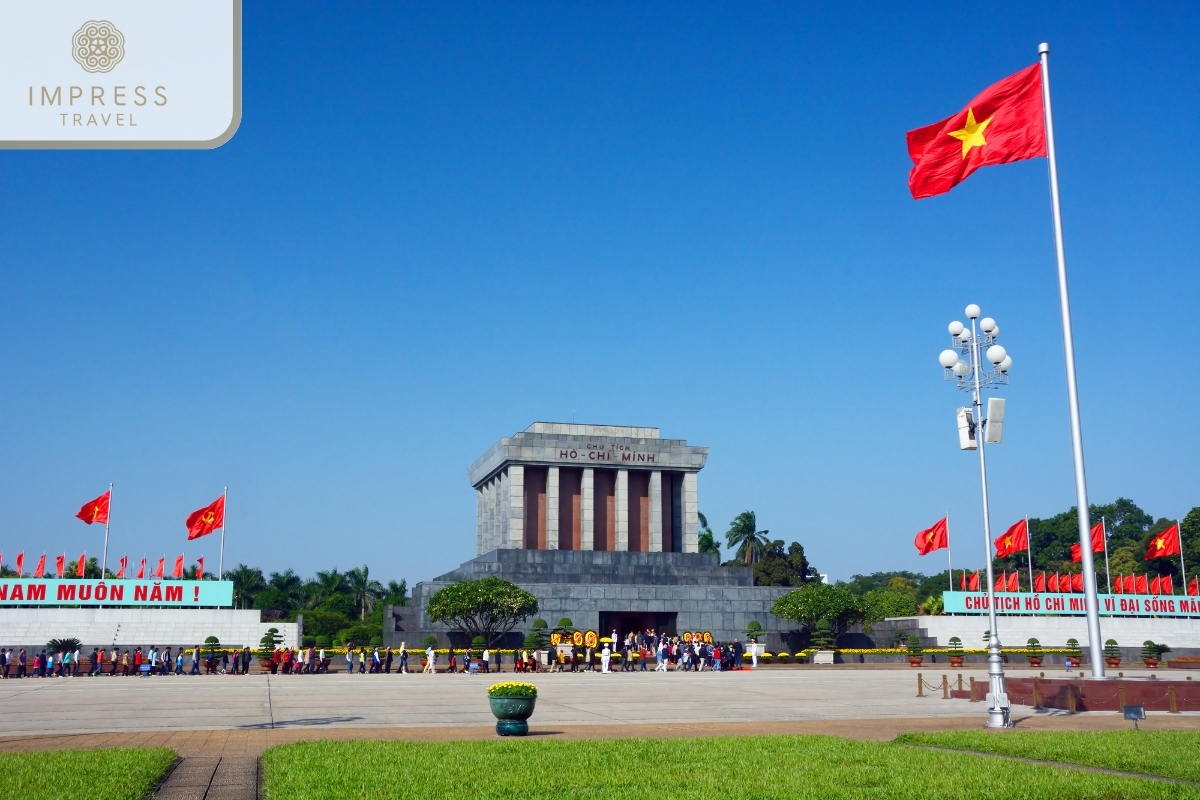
(119,774)
(742,767)
(1169,753)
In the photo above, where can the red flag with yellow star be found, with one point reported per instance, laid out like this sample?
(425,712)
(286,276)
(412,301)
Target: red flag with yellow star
(1164,544)
(1013,540)
(1003,123)
(935,538)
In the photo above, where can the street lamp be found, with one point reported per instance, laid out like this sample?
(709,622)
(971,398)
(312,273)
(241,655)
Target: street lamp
(964,364)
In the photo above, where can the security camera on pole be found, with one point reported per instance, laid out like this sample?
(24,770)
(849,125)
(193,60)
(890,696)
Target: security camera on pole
(972,375)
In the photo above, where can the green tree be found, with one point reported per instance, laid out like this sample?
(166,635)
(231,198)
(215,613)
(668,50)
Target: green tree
(747,541)
(324,623)
(396,594)
(363,589)
(879,604)
(780,568)
(91,569)
(489,607)
(247,582)
(817,601)
(707,542)
(324,585)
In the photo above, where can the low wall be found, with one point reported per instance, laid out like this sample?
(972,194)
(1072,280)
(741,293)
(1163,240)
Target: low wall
(131,627)
(1179,633)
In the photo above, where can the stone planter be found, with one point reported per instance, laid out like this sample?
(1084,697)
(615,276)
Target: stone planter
(1073,661)
(264,664)
(1113,662)
(956,661)
(1151,663)
(915,661)
(511,714)
(1034,661)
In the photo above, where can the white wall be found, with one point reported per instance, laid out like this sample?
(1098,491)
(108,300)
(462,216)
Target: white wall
(33,627)
(1015,631)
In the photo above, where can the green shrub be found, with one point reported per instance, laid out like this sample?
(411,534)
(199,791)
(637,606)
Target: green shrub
(532,642)
(914,645)
(310,641)
(429,641)
(318,621)
(1073,648)
(1112,649)
(477,644)
(1033,648)
(822,635)
(324,641)
(67,645)
(1152,650)
(267,644)
(212,640)
(955,645)
(376,641)
(754,629)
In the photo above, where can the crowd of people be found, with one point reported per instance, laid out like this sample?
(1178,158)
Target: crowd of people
(102,661)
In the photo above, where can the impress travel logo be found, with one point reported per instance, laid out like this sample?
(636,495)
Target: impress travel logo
(168,77)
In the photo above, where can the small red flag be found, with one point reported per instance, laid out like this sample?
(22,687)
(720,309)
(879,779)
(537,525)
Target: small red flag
(1052,584)
(60,564)
(162,565)
(1166,585)
(200,568)
(1039,583)
(81,567)
(1154,585)
(935,538)
(1130,584)
(1142,588)
(1076,553)
(204,521)
(1193,588)
(1014,582)
(20,563)
(1013,540)
(1164,544)
(973,586)
(96,510)
(1098,537)
(142,569)
(124,563)
(1003,123)
(1118,585)
(40,571)
(178,571)
(1000,584)
(1077,582)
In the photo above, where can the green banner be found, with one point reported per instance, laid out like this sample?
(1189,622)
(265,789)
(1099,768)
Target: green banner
(74,592)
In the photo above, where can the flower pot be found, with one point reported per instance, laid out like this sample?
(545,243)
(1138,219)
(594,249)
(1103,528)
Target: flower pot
(264,664)
(511,713)
(1074,661)
(956,661)
(1034,661)
(915,661)
(1152,663)
(1113,662)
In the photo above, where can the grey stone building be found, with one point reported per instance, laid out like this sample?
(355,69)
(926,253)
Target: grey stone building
(601,524)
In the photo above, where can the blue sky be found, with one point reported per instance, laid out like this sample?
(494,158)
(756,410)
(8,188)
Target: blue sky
(439,223)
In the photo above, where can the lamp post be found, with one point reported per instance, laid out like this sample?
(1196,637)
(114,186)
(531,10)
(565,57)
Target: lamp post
(973,376)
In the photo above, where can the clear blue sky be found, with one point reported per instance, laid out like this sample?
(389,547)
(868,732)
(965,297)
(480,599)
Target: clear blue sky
(439,223)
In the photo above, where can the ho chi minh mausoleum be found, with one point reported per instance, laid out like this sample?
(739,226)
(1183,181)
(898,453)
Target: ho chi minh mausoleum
(601,524)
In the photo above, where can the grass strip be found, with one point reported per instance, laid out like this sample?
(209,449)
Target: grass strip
(1171,754)
(758,767)
(112,774)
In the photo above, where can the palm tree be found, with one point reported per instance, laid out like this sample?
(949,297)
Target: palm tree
(325,585)
(743,534)
(706,543)
(247,582)
(289,584)
(364,590)
(397,593)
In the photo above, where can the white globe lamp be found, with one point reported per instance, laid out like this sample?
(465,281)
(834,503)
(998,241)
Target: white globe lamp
(1006,364)
(996,354)
(955,328)
(962,369)
(948,358)
(987,324)
(972,311)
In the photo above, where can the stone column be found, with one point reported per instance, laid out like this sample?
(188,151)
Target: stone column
(656,526)
(691,518)
(516,507)
(502,503)
(587,501)
(478,521)
(622,503)
(552,508)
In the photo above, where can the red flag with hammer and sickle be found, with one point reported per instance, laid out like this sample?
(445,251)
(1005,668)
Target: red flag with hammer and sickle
(96,510)
(204,521)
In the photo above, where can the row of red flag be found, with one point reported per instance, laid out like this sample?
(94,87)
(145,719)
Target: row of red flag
(60,564)
(1016,540)
(1073,582)
(200,522)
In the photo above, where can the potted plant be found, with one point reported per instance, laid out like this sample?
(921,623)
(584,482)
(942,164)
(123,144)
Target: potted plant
(915,651)
(955,651)
(1112,653)
(765,657)
(512,703)
(1151,653)
(1033,652)
(1074,655)
(783,656)
(266,648)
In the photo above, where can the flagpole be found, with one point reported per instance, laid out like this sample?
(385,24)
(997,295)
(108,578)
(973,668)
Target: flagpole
(107,521)
(950,564)
(1182,568)
(1091,602)
(1107,571)
(1029,552)
(224,519)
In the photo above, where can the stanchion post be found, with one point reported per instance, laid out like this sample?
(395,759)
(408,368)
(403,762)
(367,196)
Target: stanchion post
(1070,699)
(1171,698)
(960,681)
(920,685)
(1037,700)
(945,687)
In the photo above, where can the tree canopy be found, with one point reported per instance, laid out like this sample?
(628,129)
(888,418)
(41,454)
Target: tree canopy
(489,607)
(819,601)
(707,542)
(777,567)
(747,541)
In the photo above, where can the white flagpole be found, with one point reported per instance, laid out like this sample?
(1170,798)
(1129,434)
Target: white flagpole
(1182,568)
(107,522)
(951,564)
(1091,601)
(224,519)
(1029,552)
(1107,571)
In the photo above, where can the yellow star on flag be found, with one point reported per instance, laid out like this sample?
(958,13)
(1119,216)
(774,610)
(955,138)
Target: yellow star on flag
(1158,543)
(971,134)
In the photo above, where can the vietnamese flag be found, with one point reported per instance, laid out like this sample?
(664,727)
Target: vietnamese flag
(973,586)
(162,564)
(1013,540)
(928,540)
(124,563)
(1014,582)
(1142,588)
(1077,582)
(1003,123)
(1164,544)
(1097,543)
(1039,583)
(1193,588)
(1130,584)
(178,571)
(96,510)
(1154,585)
(204,521)
(142,569)
(60,564)
(81,567)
